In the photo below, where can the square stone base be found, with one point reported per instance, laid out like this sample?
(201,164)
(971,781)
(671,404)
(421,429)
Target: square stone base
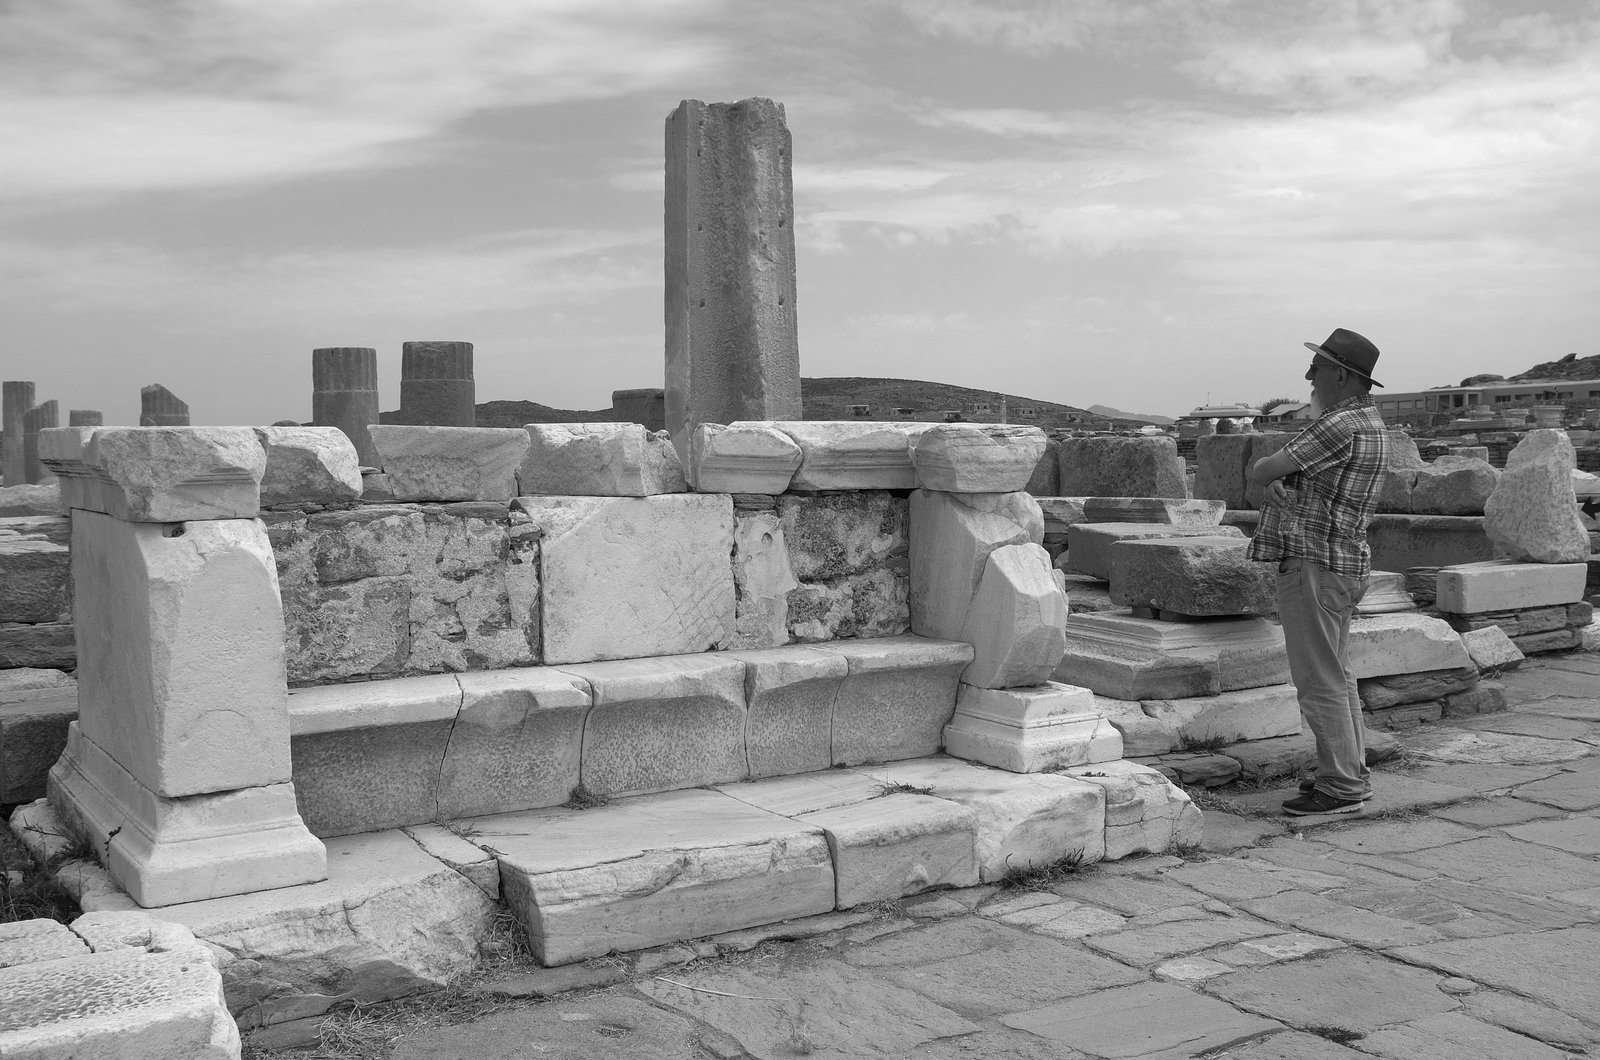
(164,851)
(1030,730)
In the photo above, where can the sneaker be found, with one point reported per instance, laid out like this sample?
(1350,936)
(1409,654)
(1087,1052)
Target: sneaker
(1315,802)
(1309,784)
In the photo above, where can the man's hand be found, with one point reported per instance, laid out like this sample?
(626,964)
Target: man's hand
(1277,492)
(1267,472)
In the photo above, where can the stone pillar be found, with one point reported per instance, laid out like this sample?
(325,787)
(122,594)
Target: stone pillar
(344,394)
(647,406)
(47,414)
(732,348)
(160,407)
(85,418)
(177,767)
(17,399)
(436,384)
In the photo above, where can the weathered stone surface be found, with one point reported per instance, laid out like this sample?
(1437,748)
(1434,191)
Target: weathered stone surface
(388,920)
(1142,735)
(183,666)
(1016,621)
(1243,652)
(952,536)
(977,457)
(448,845)
(1378,693)
(38,644)
(853,455)
(1198,576)
(515,743)
(26,941)
(659,724)
(31,499)
(1401,542)
(436,385)
(1262,445)
(849,552)
(625,578)
(1404,644)
(1554,640)
(1167,510)
(790,694)
(344,394)
(636,873)
(308,465)
(35,570)
(1532,515)
(160,407)
(1221,461)
(1146,1019)
(157,475)
(646,406)
(431,463)
(1023,819)
(1386,593)
(598,460)
(762,580)
(387,590)
(1250,714)
(1061,512)
(1029,730)
(1556,967)
(18,399)
(1045,481)
(126,1003)
(1453,485)
(741,458)
(167,850)
(1490,649)
(1106,466)
(1400,473)
(1134,672)
(1089,544)
(900,844)
(36,706)
(897,696)
(1502,585)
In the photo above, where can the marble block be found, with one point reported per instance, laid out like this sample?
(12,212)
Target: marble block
(1145,812)
(1109,466)
(516,744)
(429,463)
(630,577)
(741,458)
(661,724)
(1508,585)
(1170,511)
(1194,576)
(852,455)
(1403,644)
(165,850)
(1243,652)
(39,939)
(1386,593)
(790,694)
(131,1002)
(1023,819)
(637,873)
(896,697)
(157,474)
(1491,649)
(1453,485)
(181,651)
(598,460)
(763,579)
(1089,544)
(1247,714)
(1030,730)
(952,535)
(367,755)
(1016,621)
(316,465)
(899,844)
(977,457)
(1134,672)
(1532,516)
(1061,512)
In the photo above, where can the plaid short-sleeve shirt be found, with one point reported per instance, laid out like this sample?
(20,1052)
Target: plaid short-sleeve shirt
(1341,458)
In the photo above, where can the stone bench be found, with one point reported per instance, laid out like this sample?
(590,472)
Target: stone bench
(385,754)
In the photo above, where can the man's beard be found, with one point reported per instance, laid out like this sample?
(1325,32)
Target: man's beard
(1316,409)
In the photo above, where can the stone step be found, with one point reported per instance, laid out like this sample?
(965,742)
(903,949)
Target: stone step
(387,754)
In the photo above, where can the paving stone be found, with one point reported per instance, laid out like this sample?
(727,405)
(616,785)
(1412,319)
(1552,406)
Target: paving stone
(1324,916)
(590,1028)
(1417,905)
(548,982)
(1148,946)
(1291,1045)
(1451,1036)
(1234,879)
(1576,835)
(1190,969)
(1531,1019)
(1129,896)
(1543,726)
(1583,709)
(1270,949)
(1576,791)
(1508,865)
(1351,989)
(1519,911)
(1390,837)
(1227,832)
(1065,920)
(1484,776)
(1152,1021)
(1495,812)
(996,1041)
(1390,792)
(806,927)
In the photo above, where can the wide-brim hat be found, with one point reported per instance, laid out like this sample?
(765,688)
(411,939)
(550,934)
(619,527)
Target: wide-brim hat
(1349,351)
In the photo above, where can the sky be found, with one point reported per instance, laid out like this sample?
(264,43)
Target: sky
(1147,204)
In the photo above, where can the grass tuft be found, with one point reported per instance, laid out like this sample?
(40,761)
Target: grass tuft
(1045,877)
(1339,1035)
(900,787)
(584,799)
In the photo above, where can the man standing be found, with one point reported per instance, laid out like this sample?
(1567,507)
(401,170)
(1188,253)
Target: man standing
(1320,492)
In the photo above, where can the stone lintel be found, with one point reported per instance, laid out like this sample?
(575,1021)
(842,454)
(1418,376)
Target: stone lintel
(1504,585)
(157,474)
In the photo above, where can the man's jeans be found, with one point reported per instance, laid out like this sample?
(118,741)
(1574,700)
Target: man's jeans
(1315,606)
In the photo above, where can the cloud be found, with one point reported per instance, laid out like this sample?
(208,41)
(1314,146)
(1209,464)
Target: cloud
(114,97)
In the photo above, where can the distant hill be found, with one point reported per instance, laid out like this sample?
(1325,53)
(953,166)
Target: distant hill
(1108,411)
(1569,367)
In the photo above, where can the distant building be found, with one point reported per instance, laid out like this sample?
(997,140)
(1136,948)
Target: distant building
(1435,407)
(860,411)
(1285,413)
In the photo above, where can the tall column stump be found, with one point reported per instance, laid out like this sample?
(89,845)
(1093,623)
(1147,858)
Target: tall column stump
(436,387)
(160,407)
(344,394)
(16,398)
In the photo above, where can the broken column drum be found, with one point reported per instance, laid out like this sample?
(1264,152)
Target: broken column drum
(646,406)
(34,420)
(732,348)
(18,399)
(344,394)
(160,407)
(85,418)
(436,387)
